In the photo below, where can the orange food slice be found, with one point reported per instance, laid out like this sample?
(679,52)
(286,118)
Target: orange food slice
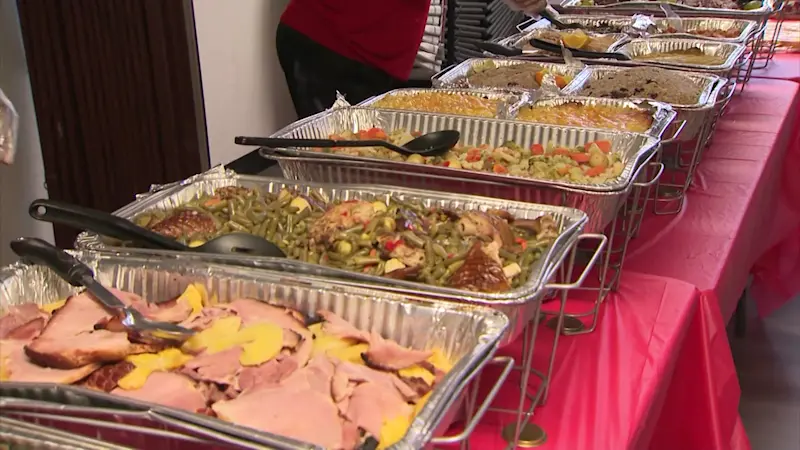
(575,39)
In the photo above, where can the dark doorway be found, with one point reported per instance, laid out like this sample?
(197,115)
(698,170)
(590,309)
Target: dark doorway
(115,85)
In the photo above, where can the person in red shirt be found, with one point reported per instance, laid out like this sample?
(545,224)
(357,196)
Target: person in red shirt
(359,48)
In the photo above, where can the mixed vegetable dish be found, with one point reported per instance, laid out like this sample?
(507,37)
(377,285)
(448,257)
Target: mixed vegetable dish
(485,251)
(592,163)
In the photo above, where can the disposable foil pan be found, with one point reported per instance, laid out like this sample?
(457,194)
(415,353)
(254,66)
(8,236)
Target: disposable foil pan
(19,434)
(506,100)
(575,7)
(457,76)
(570,223)
(661,113)
(519,40)
(474,131)
(638,47)
(694,115)
(744,27)
(467,334)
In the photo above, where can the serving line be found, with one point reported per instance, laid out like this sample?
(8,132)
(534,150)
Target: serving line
(626,386)
(741,214)
(784,66)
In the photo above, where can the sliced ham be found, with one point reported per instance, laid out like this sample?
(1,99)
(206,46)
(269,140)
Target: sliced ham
(338,327)
(220,368)
(291,409)
(106,378)
(70,341)
(15,366)
(206,317)
(362,374)
(385,354)
(170,311)
(270,373)
(22,322)
(371,404)
(255,311)
(169,389)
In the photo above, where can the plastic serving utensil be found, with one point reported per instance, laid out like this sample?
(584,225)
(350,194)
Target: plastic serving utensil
(429,144)
(499,49)
(76,273)
(552,16)
(100,222)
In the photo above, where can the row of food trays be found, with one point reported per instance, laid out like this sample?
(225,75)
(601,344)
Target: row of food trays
(392,292)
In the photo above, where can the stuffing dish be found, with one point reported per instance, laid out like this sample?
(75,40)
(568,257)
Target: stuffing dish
(592,116)
(472,250)
(653,83)
(316,379)
(593,163)
(512,76)
(729,33)
(695,56)
(441,102)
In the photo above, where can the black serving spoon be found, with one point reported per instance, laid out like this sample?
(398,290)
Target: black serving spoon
(552,16)
(100,222)
(76,273)
(429,144)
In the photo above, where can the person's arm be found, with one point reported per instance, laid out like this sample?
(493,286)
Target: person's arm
(532,7)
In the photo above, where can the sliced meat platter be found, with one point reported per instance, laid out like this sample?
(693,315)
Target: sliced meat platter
(314,379)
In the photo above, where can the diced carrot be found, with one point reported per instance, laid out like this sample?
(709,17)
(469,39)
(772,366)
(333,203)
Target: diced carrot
(539,77)
(446,163)
(376,133)
(373,252)
(561,82)
(522,242)
(497,168)
(562,152)
(416,133)
(474,154)
(363,135)
(537,149)
(212,201)
(604,146)
(563,170)
(595,171)
(580,157)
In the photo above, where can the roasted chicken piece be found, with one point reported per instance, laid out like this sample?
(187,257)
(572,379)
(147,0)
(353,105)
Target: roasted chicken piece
(480,272)
(185,222)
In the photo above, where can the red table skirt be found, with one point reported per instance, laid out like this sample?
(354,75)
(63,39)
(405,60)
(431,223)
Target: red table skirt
(657,374)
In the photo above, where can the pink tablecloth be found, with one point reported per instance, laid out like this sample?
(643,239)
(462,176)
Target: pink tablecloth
(743,212)
(784,66)
(657,374)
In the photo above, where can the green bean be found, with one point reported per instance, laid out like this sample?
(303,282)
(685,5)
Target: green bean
(364,243)
(455,258)
(373,224)
(289,224)
(316,195)
(242,220)
(430,255)
(291,209)
(440,251)
(413,239)
(256,214)
(505,254)
(235,226)
(333,256)
(438,271)
(302,215)
(356,229)
(365,260)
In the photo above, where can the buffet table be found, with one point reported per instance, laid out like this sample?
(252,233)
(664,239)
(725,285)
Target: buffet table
(742,209)
(784,66)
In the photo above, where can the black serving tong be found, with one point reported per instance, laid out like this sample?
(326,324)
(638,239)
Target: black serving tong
(552,16)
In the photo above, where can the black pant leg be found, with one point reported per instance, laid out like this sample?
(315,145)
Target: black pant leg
(315,74)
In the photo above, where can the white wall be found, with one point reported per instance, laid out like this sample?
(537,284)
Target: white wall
(243,85)
(24,181)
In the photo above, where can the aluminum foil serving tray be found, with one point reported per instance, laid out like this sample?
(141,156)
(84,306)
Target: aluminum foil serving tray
(519,40)
(466,334)
(575,7)
(694,114)
(570,222)
(456,76)
(689,24)
(600,201)
(732,52)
